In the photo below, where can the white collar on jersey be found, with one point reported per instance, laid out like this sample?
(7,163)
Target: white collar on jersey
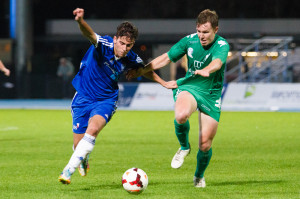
(117,58)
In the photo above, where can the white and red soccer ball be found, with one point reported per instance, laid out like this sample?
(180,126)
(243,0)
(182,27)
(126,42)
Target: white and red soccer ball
(135,180)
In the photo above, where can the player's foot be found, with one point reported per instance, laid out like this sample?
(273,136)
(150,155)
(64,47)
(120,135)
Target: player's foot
(178,158)
(84,167)
(199,182)
(65,177)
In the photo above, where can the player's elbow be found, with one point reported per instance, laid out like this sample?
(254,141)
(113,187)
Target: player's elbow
(217,64)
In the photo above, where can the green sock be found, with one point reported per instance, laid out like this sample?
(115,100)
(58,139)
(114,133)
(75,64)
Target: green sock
(203,159)
(182,133)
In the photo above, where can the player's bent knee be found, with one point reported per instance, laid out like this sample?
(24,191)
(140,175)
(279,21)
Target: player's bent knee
(93,131)
(205,146)
(181,118)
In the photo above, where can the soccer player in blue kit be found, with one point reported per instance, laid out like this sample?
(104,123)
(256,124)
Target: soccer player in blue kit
(97,90)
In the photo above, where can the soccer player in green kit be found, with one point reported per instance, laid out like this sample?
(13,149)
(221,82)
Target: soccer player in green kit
(199,90)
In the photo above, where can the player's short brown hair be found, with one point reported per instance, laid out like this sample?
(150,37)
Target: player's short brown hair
(208,16)
(127,29)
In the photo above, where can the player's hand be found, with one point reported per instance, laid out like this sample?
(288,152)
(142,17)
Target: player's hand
(79,13)
(6,72)
(203,73)
(134,73)
(170,84)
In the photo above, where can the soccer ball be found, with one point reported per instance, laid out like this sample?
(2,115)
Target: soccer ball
(135,180)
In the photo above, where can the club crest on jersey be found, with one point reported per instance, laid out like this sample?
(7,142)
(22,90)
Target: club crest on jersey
(190,52)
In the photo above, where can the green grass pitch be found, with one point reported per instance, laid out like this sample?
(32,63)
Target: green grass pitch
(255,155)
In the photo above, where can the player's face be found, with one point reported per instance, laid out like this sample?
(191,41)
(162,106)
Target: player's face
(122,45)
(206,33)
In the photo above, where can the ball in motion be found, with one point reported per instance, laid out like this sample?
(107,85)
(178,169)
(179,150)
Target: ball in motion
(135,180)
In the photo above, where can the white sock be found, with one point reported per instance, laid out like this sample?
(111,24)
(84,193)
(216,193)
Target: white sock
(84,147)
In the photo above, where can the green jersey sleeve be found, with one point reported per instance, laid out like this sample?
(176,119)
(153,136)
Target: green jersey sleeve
(222,51)
(178,50)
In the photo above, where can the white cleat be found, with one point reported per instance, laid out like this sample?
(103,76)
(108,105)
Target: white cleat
(199,182)
(178,158)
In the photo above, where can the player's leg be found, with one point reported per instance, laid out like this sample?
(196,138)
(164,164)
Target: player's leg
(92,130)
(84,166)
(84,147)
(91,120)
(76,138)
(207,131)
(96,124)
(185,105)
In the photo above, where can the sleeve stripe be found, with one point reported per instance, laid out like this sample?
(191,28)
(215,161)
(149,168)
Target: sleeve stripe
(104,41)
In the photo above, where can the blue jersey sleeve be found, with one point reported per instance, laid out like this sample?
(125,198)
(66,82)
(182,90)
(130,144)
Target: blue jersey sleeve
(103,43)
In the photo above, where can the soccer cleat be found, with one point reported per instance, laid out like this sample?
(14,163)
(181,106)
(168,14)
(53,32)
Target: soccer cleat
(178,158)
(65,177)
(199,182)
(84,167)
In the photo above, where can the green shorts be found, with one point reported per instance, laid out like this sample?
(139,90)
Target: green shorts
(208,102)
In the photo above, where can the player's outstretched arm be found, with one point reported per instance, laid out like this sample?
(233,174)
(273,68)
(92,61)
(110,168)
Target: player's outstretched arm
(154,77)
(158,62)
(86,30)
(155,64)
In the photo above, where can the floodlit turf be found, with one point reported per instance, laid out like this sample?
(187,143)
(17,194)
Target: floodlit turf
(255,155)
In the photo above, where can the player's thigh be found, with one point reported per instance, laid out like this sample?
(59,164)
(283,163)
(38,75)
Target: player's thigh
(185,104)
(207,130)
(100,114)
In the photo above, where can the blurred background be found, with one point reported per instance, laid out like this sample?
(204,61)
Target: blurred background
(42,46)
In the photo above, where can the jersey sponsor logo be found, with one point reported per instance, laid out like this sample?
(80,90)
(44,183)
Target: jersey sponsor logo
(222,43)
(190,52)
(115,75)
(197,64)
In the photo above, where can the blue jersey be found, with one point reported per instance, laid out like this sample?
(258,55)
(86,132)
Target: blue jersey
(100,70)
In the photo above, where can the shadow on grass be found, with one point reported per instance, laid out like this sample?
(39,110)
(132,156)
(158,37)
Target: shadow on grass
(101,186)
(249,182)
(170,183)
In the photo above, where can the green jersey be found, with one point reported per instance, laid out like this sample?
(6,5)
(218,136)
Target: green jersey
(206,90)
(198,58)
